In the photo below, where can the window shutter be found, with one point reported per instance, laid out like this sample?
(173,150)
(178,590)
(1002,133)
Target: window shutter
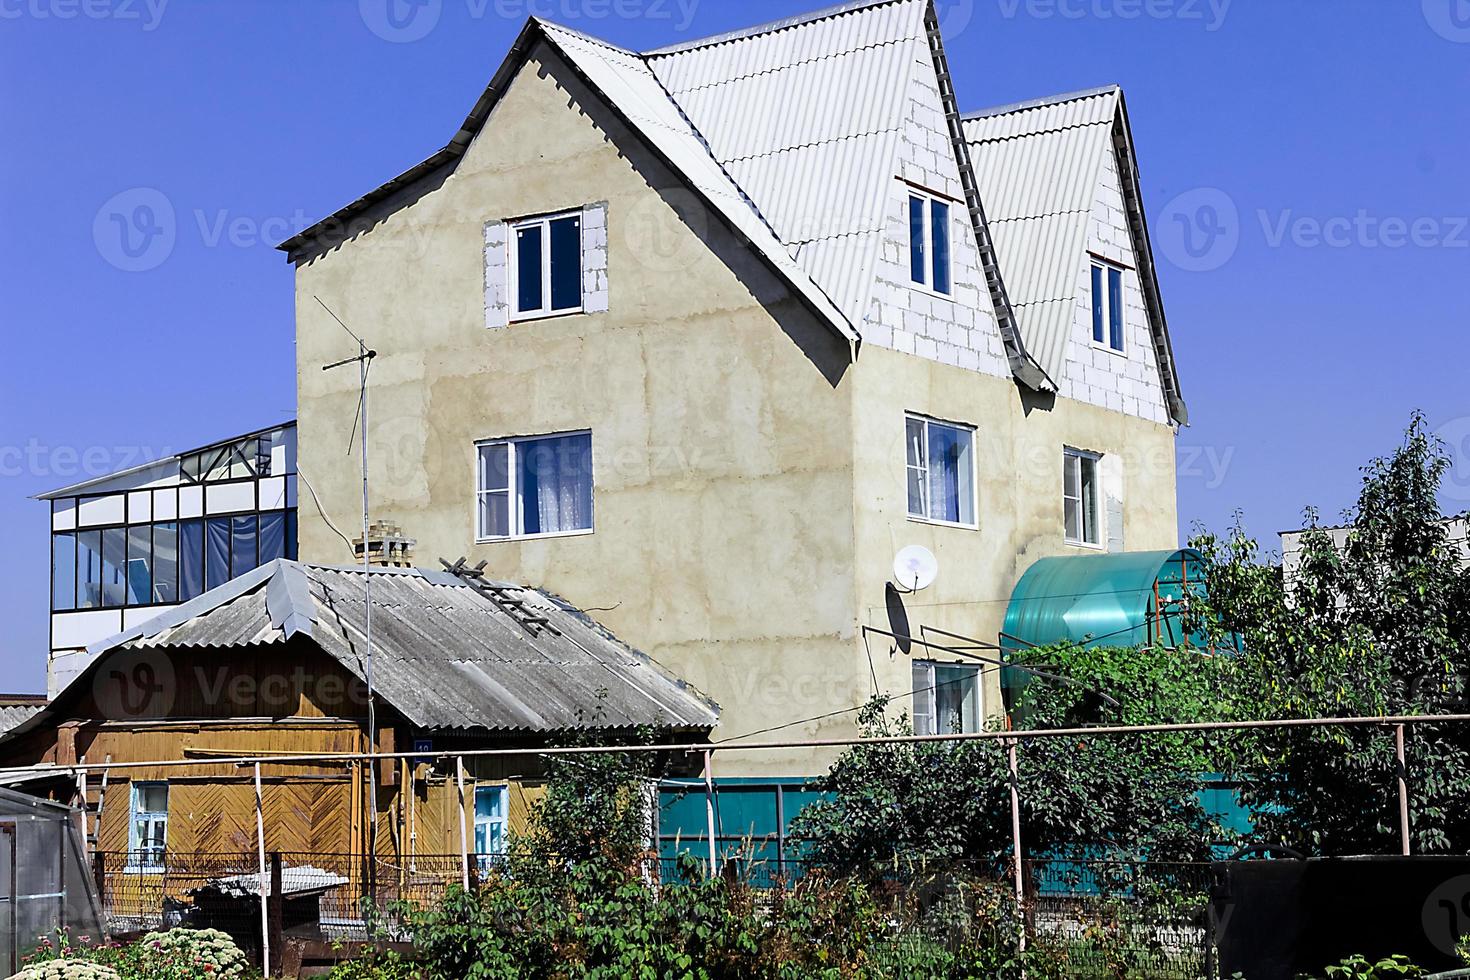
(594,259)
(497,276)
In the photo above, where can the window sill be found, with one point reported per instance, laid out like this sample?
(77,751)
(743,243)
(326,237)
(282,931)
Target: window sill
(937,523)
(1107,349)
(508,539)
(1086,546)
(931,292)
(552,315)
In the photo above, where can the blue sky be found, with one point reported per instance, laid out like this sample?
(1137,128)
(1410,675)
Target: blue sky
(1303,165)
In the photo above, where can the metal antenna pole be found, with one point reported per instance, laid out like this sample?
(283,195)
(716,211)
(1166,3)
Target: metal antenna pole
(364,360)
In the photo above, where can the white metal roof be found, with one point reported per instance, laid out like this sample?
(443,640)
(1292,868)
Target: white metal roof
(806,116)
(1038,166)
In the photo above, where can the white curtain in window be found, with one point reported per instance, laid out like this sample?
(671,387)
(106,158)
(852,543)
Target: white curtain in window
(557,484)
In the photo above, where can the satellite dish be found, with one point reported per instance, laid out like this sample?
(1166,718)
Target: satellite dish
(915,568)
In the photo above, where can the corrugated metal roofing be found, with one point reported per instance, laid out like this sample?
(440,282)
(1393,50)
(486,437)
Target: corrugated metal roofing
(806,116)
(628,83)
(1038,167)
(445,655)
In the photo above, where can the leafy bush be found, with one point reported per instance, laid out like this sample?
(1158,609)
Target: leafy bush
(67,969)
(191,953)
(1359,968)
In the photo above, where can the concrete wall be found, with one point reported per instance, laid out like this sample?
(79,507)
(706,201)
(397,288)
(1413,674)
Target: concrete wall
(1020,444)
(749,481)
(719,409)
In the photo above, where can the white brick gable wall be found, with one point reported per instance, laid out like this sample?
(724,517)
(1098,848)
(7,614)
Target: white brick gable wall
(902,316)
(1127,382)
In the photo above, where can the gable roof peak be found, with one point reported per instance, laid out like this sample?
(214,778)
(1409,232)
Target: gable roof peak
(772,27)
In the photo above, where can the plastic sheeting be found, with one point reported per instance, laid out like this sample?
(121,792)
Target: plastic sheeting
(46,886)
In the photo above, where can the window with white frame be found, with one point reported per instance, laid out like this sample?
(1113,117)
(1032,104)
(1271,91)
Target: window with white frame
(929,242)
(148,829)
(534,486)
(946,698)
(1107,306)
(546,266)
(490,810)
(941,471)
(1079,497)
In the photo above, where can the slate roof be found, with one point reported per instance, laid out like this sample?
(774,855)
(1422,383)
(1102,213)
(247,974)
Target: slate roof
(15,709)
(446,655)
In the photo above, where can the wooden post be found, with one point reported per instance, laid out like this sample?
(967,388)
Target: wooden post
(1403,790)
(1016,841)
(276,917)
(265,915)
(709,809)
(464,844)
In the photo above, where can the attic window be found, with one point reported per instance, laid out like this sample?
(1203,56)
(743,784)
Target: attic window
(929,243)
(1107,306)
(546,266)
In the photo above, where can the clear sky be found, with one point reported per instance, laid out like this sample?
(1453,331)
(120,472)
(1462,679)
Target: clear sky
(1304,166)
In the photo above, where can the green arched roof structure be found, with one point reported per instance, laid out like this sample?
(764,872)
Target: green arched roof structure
(1115,600)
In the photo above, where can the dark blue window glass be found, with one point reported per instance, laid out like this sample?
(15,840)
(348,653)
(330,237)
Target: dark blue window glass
(1099,333)
(166,562)
(528,269)
(918,261)
(272,537)
(291,535)
(1115,309)
(63,572)
(566,263)
(242,546)
(940,224)
(217,552)
(191,560)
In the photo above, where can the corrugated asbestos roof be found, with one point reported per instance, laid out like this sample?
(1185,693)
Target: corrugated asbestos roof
(14,712)
(445,655)
(1038,167)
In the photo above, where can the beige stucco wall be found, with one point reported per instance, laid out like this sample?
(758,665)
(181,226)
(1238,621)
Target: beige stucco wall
(749,482)
(719,409)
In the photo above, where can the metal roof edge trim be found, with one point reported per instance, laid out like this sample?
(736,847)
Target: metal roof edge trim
(1132,186)
(1038,103)
(768,28)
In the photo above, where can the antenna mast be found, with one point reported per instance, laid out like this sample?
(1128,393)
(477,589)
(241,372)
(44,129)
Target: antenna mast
(363,360)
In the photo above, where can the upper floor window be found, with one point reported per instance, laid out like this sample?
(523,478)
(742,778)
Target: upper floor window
(946,698)
(546,265)
(941,471)
(148,829)
(535,486)
(929,243)
(1079,497)
(1107,306)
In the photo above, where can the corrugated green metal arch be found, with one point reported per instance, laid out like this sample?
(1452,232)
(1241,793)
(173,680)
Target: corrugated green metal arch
(1125,599)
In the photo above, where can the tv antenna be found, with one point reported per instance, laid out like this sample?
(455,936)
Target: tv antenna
(364,361)
(915,568)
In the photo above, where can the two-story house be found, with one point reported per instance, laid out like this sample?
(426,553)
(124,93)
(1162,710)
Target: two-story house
(700,338)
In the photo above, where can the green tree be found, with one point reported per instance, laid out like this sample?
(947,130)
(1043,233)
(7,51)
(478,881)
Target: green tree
(916,805)
(1374,626)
